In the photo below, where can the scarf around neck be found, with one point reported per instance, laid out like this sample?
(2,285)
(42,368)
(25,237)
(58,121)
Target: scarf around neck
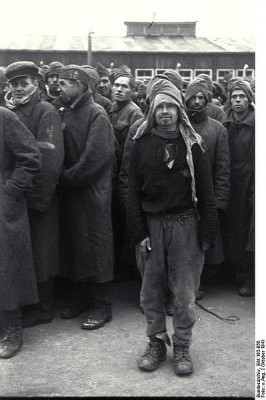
(13,103)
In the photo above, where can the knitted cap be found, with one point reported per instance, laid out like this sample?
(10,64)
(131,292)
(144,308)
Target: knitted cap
(195,86)
(175,78)
(54,69)
(93,74)
(242,85)
(207,79)
(20,69)
(76,73)
(142,89)
(160,84)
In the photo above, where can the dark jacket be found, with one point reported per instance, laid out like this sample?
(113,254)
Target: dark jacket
(154,189)
(123,117)
(216,143)
(215,112)
(240,213)
(104,102)
(42,119)
(20,161)
(86,191)
(125,164)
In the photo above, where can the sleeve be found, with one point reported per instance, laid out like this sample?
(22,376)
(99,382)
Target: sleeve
(204,190)
(221,173)
(22,145)
(136,219)
(98,153)
(124,168)
(50,141)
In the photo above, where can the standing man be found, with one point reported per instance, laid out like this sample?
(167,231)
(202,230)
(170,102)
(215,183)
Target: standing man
(43,121)
(213,111)
(239,218)
(215,139)
(124,113)
(105,85)
(52,80)
(20,161)
(169,175)
(86,188)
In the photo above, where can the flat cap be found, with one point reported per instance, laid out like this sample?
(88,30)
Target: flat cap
(76,73)
(20,69)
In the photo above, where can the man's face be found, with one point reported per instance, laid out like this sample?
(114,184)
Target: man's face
(22,86)
(69,90)
(141,100)
(166,116)
(121,89)
(104,86)
(197,102)
(239,101)
(53,84)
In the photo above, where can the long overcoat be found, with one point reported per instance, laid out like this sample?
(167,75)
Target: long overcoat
(86,191)
(42,119)
(216,143)
(239,219)
(20,161)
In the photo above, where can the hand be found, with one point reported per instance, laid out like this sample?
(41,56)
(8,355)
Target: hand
(205,245)
(145,245)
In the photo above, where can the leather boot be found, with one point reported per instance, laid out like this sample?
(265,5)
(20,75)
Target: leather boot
(12,340)
(154,354)
(182,360)
(36,315)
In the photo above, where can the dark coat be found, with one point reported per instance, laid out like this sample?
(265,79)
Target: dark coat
(20,161)
(86,186)
(123,117)
(239,218)
(154,189)
(42,119)
(104,102)
(216,143)
(215,112)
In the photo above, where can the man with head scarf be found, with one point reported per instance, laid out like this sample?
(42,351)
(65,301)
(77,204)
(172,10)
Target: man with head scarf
(214,111)
(239,218)
(169,178)
(86,193)
(215,140)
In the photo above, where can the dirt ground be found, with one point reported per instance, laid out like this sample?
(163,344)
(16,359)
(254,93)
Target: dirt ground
(60,359)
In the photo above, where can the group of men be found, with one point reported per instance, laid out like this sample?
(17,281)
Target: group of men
(98,174)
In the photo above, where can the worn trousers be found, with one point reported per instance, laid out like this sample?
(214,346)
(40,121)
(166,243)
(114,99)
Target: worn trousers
(175,262)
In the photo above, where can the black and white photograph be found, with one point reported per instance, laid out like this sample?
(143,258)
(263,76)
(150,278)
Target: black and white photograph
(131,188)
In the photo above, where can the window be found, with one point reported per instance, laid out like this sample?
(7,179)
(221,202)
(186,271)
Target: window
(144,74)
(202,71)
(187,74)
(224,75)
(159,71)
(249,72)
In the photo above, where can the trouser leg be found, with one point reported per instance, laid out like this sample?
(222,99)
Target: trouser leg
(153,290)
(185,263)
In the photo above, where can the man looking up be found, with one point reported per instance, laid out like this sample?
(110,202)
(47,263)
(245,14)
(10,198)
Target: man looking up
(104,86)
